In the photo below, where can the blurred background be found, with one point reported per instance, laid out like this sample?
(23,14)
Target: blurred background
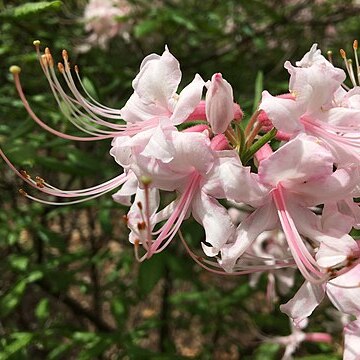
(70,287)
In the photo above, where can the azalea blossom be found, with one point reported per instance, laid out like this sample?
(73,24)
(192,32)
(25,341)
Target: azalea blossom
(104,19)
(320,104)
(288,193)
(299,198)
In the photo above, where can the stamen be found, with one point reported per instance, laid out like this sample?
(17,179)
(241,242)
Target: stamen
(305,262)
(14,69)
(22,192)
(355,47)
(351,72)
(24,174)
(330,56)
(45,126)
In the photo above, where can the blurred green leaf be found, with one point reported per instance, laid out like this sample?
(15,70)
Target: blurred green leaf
(267,351)
(150,272)
(12,298)
(18,262)
(31,8)
(42,309)
(20,340)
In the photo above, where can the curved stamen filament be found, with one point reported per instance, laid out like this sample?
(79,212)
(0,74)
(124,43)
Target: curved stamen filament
(205,264)
(304,260)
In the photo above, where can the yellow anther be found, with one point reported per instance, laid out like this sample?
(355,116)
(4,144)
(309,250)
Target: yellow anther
(146,180)
(36,43)
(14,69)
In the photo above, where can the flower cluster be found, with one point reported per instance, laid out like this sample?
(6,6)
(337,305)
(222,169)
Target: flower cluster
(293,205)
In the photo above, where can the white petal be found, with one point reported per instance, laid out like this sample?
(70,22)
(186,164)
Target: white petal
(247,232)
(352,341)
(158,79)
(215,219)
(301,306)
(189,98)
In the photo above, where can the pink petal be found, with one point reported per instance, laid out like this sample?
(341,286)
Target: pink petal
(301,159)
(247,232)
(344,298)
(216,221)
(219,104)
(352,341)
(189,99)
(158,79)
(283,113)
(301,306)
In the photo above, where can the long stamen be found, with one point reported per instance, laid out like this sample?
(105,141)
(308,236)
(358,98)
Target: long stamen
(348,66)
(173,224)
(304,260)
(355,47)
(205,264)
(15,71)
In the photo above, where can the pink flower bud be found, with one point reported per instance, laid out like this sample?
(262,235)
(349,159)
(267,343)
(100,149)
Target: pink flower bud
(219,104)
(220,142)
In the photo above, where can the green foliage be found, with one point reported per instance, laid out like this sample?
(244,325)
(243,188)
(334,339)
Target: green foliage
(30,9)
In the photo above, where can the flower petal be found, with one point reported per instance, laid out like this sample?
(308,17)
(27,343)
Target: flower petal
(247,232)
(216,221)
(158,79)
(301,306)
(189,99)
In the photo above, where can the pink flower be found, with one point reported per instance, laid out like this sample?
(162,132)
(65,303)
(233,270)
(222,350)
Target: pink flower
(343,291)
(320,107)
(155,92)
(190,167)
(104,19)
(297,176)
(220,104)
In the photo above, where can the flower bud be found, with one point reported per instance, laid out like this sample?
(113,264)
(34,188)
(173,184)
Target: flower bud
(219,104)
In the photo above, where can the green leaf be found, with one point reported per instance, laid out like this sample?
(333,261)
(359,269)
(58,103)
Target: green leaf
(118,309)
(21,341)
(267,351)
(18,262)
(145,27)
(42,309)
(150,272)
(89,87)
(12,299)
(31,8)
(34,276)
(258,89)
